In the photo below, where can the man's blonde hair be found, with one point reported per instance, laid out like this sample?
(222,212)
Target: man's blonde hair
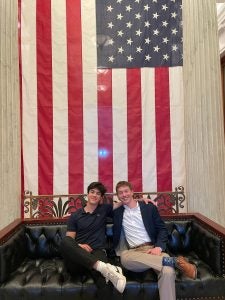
(123,183)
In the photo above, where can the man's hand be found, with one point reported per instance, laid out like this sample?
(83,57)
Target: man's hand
(155,251)
(86,247)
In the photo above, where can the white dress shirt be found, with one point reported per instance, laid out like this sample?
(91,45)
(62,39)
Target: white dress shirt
(133,226)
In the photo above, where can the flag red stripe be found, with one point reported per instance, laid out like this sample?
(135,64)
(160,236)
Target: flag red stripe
(75,97)
(105,146)
(163,134)
(44,97)
(134,128)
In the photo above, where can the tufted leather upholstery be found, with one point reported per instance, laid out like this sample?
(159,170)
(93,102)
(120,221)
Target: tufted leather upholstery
(31,265)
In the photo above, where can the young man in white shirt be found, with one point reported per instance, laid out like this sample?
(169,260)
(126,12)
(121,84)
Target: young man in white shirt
(140,238)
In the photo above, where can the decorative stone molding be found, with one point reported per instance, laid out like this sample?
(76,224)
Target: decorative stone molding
(221,28)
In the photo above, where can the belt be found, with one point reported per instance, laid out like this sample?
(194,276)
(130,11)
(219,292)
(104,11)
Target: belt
(142,245)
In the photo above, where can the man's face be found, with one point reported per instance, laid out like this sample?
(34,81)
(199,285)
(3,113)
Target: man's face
(94,196)
(125,194)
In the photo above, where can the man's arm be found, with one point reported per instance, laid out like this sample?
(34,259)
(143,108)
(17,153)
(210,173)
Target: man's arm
(71,234)
(86,247)
(117,204)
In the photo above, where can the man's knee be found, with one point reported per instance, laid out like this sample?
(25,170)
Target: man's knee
(124,259)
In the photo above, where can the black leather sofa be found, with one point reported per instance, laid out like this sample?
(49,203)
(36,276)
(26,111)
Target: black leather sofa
(31,266)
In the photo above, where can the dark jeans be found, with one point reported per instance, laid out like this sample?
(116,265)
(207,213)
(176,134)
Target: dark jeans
(79,260)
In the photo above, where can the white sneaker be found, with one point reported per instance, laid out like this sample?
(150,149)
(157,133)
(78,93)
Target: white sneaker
(115,275)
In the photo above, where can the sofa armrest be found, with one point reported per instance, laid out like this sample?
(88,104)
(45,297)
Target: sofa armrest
(12,253)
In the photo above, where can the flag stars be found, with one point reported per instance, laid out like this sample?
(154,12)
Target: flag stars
(120,33)
(139,49)
(164,7)
(129,41)
(155,16)
(110,42)
(119,17)
(120,50)
(146,7)
(110,25)
(129,25)
(174,48)
(174,31)
(165,40)
(147,31)
(147,57)
(138,32)
(174,15)
(111,59)
(147,24)
(129,58)
(128,8)
(138,16)
(147,41)
(109,8)
(165,56)
(156,49)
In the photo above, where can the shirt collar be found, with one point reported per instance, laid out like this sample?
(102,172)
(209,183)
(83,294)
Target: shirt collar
(134,208)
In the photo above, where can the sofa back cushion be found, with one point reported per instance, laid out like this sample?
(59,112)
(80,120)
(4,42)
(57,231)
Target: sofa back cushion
(185,237)
(179,236)
(43,240)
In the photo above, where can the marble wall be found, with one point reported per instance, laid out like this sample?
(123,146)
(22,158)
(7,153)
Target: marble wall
(9,115)
(221,27)
(204,133)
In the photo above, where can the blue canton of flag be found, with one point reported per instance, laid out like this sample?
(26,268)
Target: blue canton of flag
(139,33)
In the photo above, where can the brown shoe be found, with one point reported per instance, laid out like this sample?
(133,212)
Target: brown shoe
(186,268)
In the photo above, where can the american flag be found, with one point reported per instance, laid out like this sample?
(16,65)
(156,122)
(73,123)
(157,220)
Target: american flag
(101,94)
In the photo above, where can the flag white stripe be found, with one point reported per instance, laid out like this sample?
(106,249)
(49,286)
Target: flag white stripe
(148,130)
(60,97)
(89,54)
(119,111)
(177,127)
(29,100)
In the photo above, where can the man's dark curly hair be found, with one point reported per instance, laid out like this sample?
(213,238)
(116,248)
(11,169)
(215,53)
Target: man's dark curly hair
(97,185)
